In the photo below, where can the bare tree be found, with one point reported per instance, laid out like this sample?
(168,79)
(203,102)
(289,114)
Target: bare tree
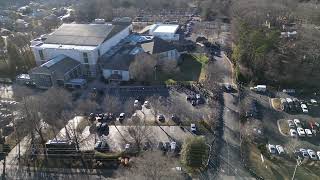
(153,165)
(169,66)
(138,134)
(143,67)
(31,107)
(158,105)
(111,104)
(86,106)
(128,106)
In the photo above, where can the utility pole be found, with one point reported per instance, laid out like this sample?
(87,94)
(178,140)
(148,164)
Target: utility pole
(295,169)
(4,167)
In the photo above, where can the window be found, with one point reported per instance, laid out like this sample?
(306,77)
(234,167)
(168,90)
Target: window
(115,72)
(41,54)
(85,58)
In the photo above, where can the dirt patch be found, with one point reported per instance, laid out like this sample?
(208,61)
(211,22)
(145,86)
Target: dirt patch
(283,127)
(276,104)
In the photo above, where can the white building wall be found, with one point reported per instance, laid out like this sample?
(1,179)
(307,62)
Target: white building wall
(166,36)
(73,53)
(108,72)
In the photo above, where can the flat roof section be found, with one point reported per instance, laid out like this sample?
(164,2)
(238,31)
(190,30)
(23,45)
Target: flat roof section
(166,28)
(84,34)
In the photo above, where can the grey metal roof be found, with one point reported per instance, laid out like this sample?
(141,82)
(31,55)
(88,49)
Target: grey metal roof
(60,65)
(157,45)
(121,60)
(84,34)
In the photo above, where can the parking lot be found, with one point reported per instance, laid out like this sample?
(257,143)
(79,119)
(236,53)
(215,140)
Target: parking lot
(276,132)
(118,138)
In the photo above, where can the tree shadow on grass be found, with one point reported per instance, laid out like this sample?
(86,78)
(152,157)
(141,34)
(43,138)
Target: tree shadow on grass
(189,70)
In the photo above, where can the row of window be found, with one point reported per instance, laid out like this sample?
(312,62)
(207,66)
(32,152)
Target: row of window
(85,56)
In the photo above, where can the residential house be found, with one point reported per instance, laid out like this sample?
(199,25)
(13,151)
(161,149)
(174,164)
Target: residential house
(161,49)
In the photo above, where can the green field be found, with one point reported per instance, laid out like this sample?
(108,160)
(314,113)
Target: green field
(191,68)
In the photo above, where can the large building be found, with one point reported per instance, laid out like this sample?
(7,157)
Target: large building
(84,43)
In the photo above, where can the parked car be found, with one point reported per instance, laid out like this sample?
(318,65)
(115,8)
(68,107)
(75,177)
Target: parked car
(290,103)
(304,108)
(291,124)
(127,147)
(308,132)
(175,119)
(146,146)
(314,126)
(296,103)
(228,87)
(297,122)
(136,103)
(318,154)
(304,153)
(146,104)
(161,146)
(193,102)
(121,117)
(280,149)
(161,118)
(301,132)
(293,133)
(312,154)
(173,145)
(272,149)
(193,128)
(101,146)
(313,102)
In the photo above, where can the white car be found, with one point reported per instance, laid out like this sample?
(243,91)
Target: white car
(291,124)
(312,154)
(301,132)
(272,149)
(297,122)
(197,96)
(313,101)
(136,103)
(318,154)
(293,133)
(193,128)
(280,149)
(304,153)
(146,104)
(308,132)
(304,108)
(173,145)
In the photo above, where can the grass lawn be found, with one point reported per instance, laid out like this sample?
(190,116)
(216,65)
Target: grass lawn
(192,68)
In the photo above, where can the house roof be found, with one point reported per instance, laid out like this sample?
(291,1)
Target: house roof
(157,46)
(84,34)
(118,62)
(59,65)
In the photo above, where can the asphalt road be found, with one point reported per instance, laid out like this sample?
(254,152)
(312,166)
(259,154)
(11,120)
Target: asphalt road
(229,163)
